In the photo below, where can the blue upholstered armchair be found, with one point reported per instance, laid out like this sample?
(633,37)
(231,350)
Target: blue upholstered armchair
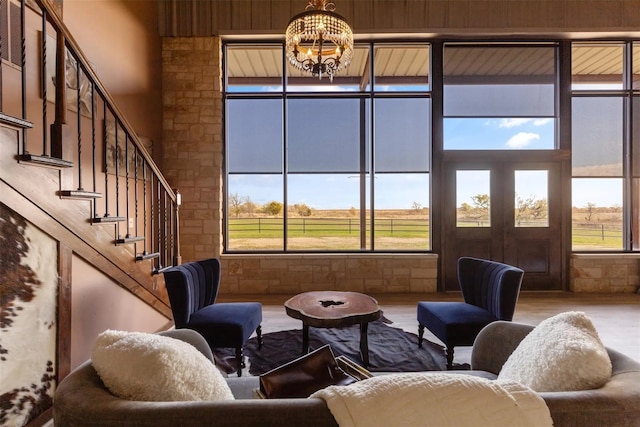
(192,289)
(490,290)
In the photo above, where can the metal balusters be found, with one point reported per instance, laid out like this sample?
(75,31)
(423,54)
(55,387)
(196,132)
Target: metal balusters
(126,179)
(79,127)
(67,146)
(163,229)
(106,162)
(148,228)
(23,63)
(118,151)
(158,228)
(117,168)
(80,192)
(147,231)
(144,253)
(93,142)
(128,238)
(45,122)
(177,258)
(135,196)
(107,156)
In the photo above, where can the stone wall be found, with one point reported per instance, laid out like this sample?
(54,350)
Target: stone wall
(291,274)
(192,139)
(605,273)
(193,163)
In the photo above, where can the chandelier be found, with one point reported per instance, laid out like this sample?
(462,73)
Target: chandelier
(319,40)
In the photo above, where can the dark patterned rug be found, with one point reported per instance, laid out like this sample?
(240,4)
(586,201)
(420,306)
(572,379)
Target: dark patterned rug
(390,349)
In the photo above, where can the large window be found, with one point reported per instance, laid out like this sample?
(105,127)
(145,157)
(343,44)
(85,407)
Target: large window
(600,106)
(320,165)
(345,164)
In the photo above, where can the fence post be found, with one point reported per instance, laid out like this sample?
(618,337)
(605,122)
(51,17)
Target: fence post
(259,225)
(602,231)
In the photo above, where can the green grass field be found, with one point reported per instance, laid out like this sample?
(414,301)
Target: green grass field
(391,233)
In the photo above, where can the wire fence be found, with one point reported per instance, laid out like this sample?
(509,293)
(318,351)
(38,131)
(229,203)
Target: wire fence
(602,235)
(328,226)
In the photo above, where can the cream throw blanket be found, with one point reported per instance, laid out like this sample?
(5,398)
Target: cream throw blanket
(435,399)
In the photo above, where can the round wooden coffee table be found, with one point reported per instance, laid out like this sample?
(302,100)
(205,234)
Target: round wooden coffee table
(334,309)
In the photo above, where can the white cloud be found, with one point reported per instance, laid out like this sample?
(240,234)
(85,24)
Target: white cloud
(541,122)
(522,139)
(511,123)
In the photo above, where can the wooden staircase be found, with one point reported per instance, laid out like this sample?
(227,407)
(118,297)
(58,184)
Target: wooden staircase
(72,165)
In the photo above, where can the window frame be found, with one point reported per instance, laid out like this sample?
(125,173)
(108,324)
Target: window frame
(367,212)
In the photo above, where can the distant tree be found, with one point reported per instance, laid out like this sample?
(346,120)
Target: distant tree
(530,208)
(248,206)
(302,209)
(466,207)
(272,208)
(416,206)
(481,202)
(353,211)
(235,203)
(617,210)
(539,209)
(591,208)
(480,208)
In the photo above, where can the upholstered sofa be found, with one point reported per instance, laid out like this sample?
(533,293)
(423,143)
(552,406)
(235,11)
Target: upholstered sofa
(81,399)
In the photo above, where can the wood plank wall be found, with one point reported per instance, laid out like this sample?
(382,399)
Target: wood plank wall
(184,18)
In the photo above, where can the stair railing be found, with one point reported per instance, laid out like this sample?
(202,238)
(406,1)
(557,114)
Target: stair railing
(88,134)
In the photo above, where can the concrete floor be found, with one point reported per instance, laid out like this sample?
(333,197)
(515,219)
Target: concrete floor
(615,316)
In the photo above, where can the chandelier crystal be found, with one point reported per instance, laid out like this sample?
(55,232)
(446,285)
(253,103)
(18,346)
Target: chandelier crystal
(319,40)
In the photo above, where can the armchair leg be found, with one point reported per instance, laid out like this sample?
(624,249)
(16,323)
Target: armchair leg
(239,360)
(449,358)
(420,335)
(259,336)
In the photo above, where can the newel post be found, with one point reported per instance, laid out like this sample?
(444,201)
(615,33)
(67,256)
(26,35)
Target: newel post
(59,128)
(177,258)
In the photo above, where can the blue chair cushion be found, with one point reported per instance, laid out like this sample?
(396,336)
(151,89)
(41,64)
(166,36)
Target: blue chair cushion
(454,323)
(227,324)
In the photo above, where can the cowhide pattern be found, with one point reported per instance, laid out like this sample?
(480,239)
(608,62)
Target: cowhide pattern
(28,287)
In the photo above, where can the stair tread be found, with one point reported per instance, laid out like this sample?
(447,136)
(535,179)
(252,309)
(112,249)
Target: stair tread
(107,219)
(161,270)
(143,257)
(130,239)
(80,194)
(15,121)
(45,161)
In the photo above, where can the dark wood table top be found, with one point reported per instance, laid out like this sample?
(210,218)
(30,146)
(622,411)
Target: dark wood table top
(333,309)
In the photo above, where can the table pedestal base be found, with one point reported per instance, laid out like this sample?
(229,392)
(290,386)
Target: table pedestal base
(364,342)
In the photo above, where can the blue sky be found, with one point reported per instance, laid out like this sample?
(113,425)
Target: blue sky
(393,191)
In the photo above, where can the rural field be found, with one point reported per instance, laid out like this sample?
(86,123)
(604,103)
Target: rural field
(398,229)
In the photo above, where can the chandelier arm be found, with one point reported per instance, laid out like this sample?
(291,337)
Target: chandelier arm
(319,41)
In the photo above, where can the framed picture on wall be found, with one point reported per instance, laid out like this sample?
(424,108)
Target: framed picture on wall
(76,80)
(116,151)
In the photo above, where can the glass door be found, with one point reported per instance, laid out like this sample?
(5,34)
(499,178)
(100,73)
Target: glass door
(504,211)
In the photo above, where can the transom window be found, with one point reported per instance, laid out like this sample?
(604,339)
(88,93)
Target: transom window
(503,95)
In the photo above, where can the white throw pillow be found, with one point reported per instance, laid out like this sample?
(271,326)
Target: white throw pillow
(149,367)
(562,353)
